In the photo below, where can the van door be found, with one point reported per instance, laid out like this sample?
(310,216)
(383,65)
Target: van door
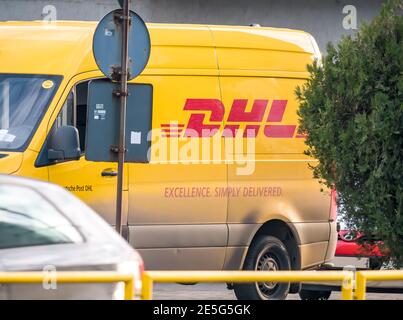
(177,220)
(92,182)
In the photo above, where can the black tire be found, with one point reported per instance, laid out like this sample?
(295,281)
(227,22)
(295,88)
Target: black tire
(314,295)
(376,263)
(265,253)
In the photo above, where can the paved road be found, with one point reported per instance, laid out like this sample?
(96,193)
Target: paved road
(220,292)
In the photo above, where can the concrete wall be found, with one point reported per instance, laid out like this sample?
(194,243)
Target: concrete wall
(322,18)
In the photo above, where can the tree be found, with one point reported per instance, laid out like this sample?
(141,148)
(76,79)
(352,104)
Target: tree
(351,109)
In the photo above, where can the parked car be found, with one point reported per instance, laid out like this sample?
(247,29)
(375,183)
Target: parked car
(351,246)
(354,253)
(44,227)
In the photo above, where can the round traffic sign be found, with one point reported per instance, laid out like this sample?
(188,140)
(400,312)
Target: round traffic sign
(107,45)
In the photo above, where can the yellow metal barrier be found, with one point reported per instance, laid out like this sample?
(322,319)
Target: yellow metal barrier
(375,275)
(72,277)
(345,277)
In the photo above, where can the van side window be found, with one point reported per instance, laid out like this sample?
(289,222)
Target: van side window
(66,115)
(74,112)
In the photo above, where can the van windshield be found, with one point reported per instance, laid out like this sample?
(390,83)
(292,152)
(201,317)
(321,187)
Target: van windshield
(23,101)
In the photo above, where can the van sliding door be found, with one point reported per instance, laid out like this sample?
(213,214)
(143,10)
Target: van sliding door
(177,217)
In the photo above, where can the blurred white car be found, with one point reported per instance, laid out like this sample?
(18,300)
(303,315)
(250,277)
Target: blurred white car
(45,228)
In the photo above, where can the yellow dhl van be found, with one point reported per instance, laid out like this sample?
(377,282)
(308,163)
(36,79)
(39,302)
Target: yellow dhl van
(264,211)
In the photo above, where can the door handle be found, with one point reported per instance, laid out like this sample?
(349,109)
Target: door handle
(109,173)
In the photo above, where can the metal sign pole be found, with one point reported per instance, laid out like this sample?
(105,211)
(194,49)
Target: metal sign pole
(120,63)
(123,103)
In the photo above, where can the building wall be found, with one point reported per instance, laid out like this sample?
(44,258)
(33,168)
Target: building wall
(322,18)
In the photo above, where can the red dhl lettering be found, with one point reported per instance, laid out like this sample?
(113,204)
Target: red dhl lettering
(207,119)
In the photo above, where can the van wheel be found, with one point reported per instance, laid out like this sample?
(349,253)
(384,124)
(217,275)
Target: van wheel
(266,253)
(314,295)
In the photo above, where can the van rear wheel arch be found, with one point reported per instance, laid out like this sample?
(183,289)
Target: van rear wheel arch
(285,233)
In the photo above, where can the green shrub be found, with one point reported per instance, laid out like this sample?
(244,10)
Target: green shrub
(352,111)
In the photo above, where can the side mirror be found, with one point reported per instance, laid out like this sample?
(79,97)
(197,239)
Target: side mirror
(64,144)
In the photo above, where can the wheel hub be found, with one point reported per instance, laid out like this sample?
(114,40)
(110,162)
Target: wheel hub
(267,263)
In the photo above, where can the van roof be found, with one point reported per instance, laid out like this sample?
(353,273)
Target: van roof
(65,47)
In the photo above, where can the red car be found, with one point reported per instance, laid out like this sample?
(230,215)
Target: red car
(347,245)
(352,251)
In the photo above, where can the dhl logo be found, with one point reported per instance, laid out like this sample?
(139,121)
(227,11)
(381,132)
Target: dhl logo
(198,126)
